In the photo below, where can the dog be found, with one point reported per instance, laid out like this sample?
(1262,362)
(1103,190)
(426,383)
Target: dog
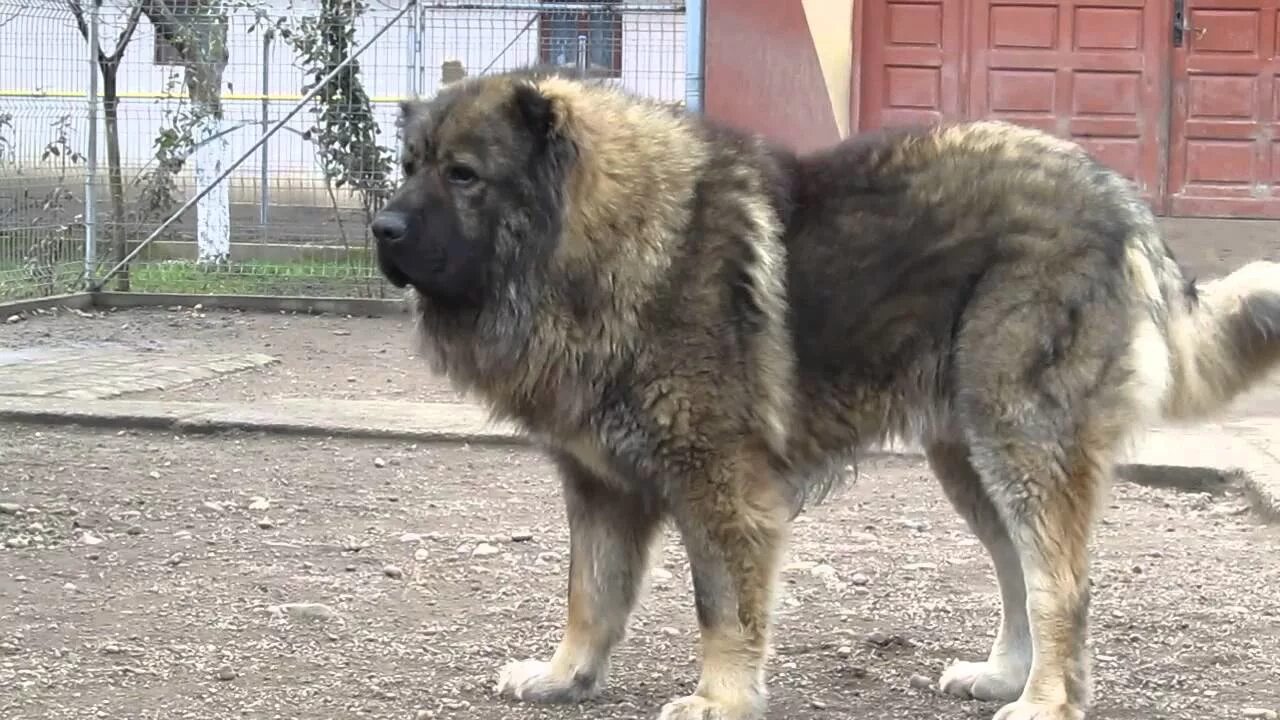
(701,327)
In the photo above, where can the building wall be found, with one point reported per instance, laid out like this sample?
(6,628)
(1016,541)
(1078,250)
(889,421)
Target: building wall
(781,67)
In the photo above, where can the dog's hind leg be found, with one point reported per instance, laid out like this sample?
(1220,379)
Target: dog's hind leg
(611,532)
(1004,673)
(1047,498)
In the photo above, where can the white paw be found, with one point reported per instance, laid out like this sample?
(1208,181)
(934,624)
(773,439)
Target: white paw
(696,707)
(540,682)
(983,681)
(1036,711)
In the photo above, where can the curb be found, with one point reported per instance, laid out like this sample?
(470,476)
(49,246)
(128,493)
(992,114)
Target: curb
(419,422)
(1210,458)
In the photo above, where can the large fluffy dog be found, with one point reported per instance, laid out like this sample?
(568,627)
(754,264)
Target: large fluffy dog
(700,326)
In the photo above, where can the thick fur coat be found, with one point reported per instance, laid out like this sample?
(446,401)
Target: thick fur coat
(700,327)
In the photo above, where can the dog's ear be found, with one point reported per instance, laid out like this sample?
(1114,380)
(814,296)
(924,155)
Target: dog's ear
(544,116)
(411,111)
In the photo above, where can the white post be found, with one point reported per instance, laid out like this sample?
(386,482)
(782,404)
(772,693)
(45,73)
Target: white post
(213,211)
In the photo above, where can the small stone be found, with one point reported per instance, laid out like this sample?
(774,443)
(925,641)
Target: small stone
(548,558)
(112,649)
(259,504)
(913,567)
(424,715)
(173,560)
(342,333)
(1262,713)
(823,572)
(225,673)
(134,530)
(393,571)
(661,576)
(411,537)
(212,506)
(69,587)
(10,509)
(420,554)
(917,525)
(521,537)
(875,637)
(266,524)
(14,319)
(670,632)
(93,556)
(304,611)
(379,462)
(844,651)
(860,580)
(17,543)
(485,550)
(817,705)
(90,539)
(921,682)
(350,568)
(154,475)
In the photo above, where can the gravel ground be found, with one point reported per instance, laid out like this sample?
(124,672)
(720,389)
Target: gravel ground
(144,575)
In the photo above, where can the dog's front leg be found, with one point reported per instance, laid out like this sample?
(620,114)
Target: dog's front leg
(610,534)
(733,519)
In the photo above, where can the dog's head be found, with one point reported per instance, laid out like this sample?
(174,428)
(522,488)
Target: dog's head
(481,205)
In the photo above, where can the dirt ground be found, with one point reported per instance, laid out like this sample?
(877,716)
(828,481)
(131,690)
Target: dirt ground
(151,576)
(321,356)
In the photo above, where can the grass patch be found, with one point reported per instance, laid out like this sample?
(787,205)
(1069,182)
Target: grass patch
(259,278)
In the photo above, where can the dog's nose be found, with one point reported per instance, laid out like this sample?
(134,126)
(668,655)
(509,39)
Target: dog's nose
(389,226)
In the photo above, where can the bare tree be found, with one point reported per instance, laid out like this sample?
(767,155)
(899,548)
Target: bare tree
(109,67)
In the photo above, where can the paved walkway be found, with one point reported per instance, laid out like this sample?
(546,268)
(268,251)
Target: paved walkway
(62,388)
(97,374)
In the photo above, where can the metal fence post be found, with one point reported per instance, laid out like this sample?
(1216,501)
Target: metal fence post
(264,194)
(91,155)
(694,53)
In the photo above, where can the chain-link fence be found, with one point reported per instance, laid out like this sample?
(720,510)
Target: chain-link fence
(271,127)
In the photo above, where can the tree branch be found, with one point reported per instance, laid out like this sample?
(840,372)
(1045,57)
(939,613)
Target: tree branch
(122,43)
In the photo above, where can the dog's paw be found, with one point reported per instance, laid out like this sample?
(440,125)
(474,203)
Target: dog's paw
(982,681)
(541,682)
(696,707)
(1021,710)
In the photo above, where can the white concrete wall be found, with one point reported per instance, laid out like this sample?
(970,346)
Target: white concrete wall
(44,74)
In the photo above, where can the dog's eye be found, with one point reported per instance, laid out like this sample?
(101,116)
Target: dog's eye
(461,175)
(409,168)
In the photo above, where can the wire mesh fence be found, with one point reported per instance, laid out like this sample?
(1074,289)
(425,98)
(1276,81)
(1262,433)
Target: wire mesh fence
(42,152)
(96,155)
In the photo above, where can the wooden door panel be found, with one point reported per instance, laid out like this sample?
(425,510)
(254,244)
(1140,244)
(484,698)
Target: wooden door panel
(1223,154)
(1088,71)
(911,62)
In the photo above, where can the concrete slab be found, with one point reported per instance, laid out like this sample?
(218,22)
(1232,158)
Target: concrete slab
(1210,457)
(95,374)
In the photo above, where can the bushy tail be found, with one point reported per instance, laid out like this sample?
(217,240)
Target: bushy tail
(1225,341)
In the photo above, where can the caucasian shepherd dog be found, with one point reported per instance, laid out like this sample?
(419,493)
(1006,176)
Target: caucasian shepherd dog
(701,327)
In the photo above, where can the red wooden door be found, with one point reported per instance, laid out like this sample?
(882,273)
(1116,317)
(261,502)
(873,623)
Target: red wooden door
(1090,71)
(912,61)
(1224,156)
